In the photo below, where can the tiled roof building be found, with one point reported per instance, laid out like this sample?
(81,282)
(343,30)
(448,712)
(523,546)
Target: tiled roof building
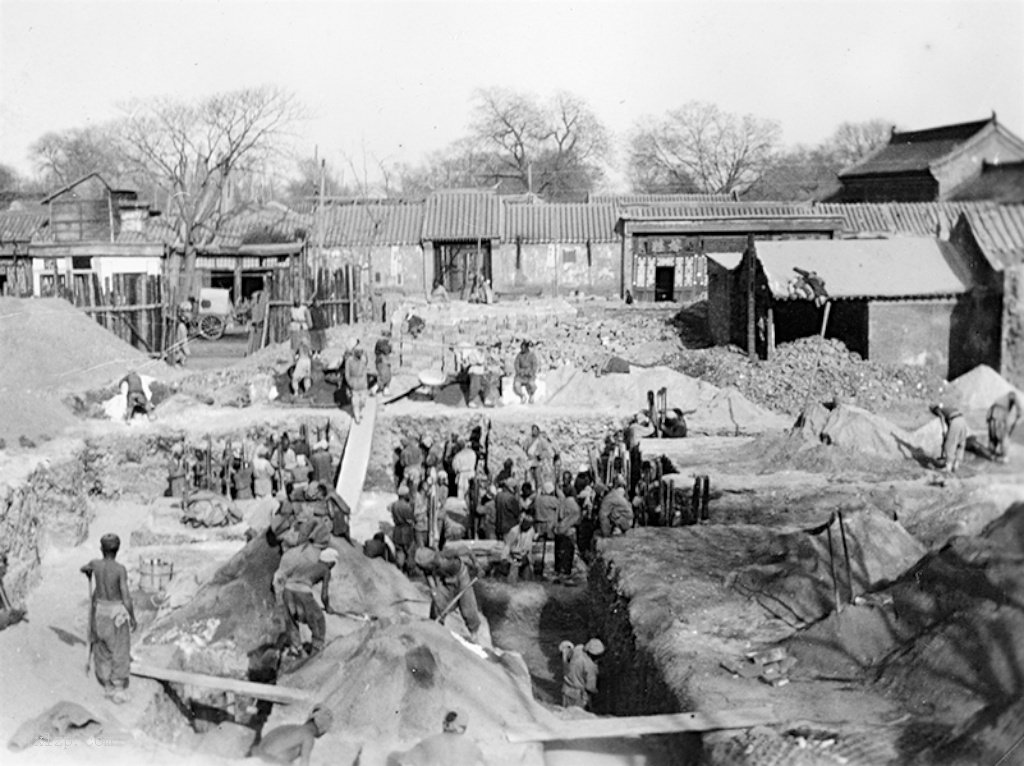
(928,165)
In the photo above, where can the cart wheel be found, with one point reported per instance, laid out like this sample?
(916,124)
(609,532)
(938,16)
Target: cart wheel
(211,326)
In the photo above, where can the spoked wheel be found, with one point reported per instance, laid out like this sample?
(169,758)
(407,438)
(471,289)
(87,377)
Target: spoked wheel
(211,326)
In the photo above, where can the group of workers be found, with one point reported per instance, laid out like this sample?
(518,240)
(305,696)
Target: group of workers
(1002,419)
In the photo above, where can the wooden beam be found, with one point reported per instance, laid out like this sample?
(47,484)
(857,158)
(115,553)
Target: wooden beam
(632,726)
(269,692)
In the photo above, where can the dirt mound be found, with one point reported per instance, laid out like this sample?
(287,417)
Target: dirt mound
(798,587)
(391,684)
(238,603)
(714,411)
(980,387)
(859,430)
(947,638)
(51,348)
(812,370)
(841,439)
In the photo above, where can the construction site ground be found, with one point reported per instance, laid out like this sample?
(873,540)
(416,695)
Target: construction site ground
(923,664)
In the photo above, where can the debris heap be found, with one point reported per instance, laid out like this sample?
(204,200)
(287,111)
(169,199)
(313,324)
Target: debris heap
(785,382)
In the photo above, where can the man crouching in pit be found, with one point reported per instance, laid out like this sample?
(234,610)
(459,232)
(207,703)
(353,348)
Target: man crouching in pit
(294,742)
(111,619)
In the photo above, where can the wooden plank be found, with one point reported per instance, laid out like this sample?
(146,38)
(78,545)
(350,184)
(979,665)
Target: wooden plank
(269,692)
(356,457)
(633,726)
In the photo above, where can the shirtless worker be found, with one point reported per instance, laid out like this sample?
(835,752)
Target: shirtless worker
(293,743)
(135,396)
(111,619)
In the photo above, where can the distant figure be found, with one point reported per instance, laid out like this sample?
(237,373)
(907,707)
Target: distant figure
(954,436)
(524,384)
(357,381)
(302,372)
(440,293)
(135,396)
(318,324)
(629,298)
(519,550)
(464,467)
(404,517)
(449,748)
(616,512)
(579,672)
(180,350)
(293,743)
(298,325)
(1003,416)
(111,619)
(262,473)
(382,358)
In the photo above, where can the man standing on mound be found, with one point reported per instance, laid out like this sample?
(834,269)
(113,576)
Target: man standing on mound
(111,619)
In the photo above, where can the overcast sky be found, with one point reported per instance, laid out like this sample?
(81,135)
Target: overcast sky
(397,78)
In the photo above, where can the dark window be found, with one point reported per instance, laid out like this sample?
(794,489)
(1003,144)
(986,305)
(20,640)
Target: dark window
(81,263)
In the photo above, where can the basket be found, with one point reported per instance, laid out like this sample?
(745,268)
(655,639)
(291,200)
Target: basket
(155,575)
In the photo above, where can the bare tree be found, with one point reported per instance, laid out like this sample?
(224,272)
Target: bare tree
(10,179)
(555,148)
(64,156)
(852,141)
(698,143)
(193,150)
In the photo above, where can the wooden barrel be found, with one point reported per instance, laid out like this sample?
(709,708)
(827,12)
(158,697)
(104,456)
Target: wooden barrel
(155,575)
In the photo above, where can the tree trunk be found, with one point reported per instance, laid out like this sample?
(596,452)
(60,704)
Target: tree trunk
(189,278)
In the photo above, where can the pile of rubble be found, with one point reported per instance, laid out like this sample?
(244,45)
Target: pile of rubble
(816,370)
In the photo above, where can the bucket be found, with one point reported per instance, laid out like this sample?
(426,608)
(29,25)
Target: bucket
(155,575)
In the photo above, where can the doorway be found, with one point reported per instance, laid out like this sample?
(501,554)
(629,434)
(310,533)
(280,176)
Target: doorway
(664,283)
(455,264)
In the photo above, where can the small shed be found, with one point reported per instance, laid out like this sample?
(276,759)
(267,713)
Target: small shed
(905,300)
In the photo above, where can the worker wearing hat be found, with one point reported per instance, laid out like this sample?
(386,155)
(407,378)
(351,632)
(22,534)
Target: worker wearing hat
(111,619)
(526,367)
(300,605)
(579,672)
(448,578)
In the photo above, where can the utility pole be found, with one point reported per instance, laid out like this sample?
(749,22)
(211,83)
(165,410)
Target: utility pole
(320,228)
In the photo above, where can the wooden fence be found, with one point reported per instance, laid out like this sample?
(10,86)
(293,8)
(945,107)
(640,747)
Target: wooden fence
(129,305)
(337,292)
